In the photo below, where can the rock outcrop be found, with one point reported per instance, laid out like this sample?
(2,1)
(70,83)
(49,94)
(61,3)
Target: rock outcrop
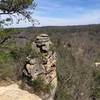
(13,92)
(42,66)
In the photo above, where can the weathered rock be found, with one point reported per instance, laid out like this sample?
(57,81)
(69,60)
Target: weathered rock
(33,61)
(33,70)
(43,42)
(43,66)
(13,92)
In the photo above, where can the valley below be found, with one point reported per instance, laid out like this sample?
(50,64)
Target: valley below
(73,57)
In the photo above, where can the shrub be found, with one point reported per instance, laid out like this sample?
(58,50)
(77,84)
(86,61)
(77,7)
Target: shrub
(63,95)
(6,65)
(96,85)
(39,85)
(5,57)
(3,34)
(23,52)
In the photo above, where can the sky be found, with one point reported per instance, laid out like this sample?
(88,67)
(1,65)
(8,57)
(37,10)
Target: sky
(66,12)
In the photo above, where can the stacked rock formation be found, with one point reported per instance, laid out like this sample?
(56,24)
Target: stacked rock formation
(44,65)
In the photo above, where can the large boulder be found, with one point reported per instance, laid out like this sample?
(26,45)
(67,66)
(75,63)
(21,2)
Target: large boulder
(13,92)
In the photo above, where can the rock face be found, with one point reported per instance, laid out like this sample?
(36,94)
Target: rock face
(13,92)
(43,66)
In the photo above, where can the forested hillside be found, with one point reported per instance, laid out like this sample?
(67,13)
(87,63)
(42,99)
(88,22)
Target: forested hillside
(77,47)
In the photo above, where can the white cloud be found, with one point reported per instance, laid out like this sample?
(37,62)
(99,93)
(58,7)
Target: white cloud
(92,17)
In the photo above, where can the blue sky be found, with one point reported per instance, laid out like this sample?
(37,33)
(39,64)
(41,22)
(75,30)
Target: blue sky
(65,8)
(65,12)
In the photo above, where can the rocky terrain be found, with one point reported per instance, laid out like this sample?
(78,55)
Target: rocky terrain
(74,53)
(38,73)
(13,92)
(42,67)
